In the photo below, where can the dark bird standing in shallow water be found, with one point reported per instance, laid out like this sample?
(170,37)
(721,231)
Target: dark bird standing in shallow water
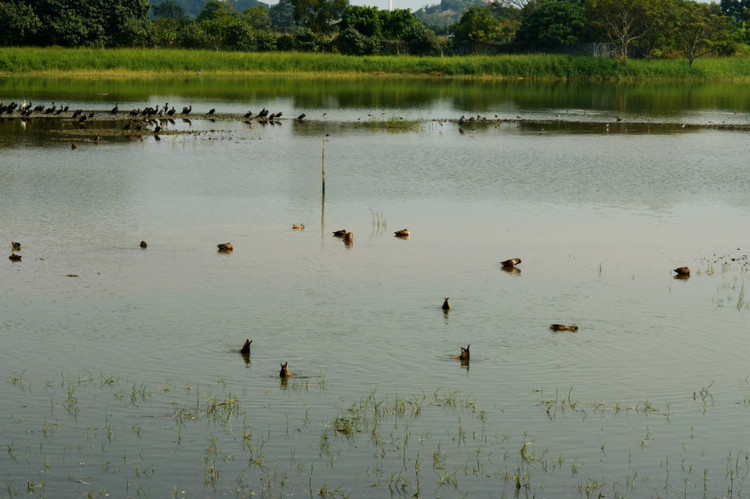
(301,117)
(245,350)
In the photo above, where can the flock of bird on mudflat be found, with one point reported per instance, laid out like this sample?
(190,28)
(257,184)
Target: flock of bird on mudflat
(149,119)
(348,238)
(27,110)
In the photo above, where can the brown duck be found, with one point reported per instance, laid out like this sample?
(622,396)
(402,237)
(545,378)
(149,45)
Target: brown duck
(512,262)
(563,327)
(464,355)
(682,271)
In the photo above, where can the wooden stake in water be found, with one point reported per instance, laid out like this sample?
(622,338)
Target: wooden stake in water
(324,167)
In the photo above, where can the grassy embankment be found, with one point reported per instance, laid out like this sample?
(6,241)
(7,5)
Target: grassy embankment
(128,62)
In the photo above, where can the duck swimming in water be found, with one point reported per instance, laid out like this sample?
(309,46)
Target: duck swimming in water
(682,271)
(285,372)
(512,262)
(225,247)
(564,327)
(464,355)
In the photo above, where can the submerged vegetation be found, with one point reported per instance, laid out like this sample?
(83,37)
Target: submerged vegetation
(57,61)
(433,443)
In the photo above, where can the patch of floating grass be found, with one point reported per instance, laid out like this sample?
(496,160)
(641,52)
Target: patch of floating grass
(393,124)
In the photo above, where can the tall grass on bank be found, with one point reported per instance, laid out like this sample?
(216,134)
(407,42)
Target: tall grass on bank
(25,60)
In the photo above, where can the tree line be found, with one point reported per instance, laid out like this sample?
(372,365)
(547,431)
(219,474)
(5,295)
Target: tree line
(646,28)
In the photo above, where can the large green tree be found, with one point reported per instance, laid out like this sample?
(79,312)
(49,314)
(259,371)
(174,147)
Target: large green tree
(169,9)
(478,25)
(319,16)
(258,17)
(365,20)
(551,23)
(282,16)
(697,29)
(77,23)
(19,24)
(214,9)
(421,40)
(395,23)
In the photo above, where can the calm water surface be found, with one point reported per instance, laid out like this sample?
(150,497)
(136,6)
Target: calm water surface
(124,379)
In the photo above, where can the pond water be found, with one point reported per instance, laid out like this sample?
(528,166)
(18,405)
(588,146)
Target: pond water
(121,375)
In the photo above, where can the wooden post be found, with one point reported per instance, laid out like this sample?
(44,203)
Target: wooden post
(324,166)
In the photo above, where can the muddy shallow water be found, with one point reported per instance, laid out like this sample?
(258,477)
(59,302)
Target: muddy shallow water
(120,368)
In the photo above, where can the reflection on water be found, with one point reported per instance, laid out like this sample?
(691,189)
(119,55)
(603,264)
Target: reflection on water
(127,378)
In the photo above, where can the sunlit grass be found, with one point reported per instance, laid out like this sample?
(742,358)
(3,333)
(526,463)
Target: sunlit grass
(88,61)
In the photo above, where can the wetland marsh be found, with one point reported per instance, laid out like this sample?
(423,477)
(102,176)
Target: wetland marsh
(121,375)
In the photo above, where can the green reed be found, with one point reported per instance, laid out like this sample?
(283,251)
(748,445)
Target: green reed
(14,60)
